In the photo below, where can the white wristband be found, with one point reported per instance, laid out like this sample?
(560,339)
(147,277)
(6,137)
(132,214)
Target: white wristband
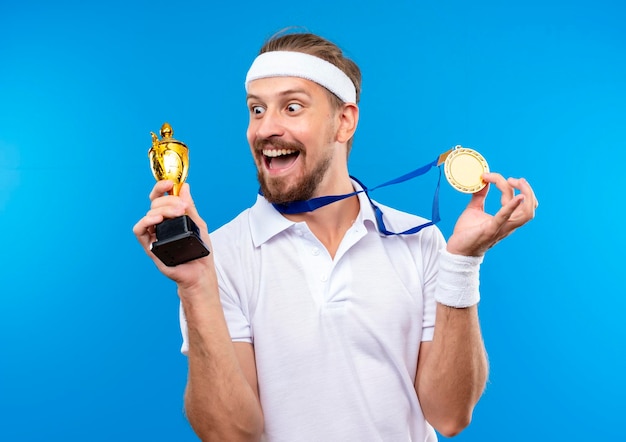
(457,280)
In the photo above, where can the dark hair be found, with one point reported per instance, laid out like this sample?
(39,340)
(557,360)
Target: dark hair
(320,47)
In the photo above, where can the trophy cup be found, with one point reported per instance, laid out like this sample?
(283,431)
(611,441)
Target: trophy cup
(178,239)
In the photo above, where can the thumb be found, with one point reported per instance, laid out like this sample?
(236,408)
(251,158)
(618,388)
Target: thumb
(185,195)
(478,199)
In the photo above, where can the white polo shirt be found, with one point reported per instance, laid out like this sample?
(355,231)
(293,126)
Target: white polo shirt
(336,341)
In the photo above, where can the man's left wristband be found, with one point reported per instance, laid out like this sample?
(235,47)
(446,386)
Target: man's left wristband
(458,280)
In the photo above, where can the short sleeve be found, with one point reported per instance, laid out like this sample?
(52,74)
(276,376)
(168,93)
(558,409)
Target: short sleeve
(184,331)
(237,317)
(235,313)
(430,252)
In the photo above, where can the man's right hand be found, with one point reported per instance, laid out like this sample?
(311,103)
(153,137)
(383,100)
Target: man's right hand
(192,274)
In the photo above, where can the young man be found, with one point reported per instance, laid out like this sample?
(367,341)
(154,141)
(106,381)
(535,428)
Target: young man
(311,324)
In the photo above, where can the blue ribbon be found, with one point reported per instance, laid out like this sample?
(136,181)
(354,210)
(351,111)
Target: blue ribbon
(294,207)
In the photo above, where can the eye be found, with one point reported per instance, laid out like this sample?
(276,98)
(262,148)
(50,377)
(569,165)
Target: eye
(294,107)
(257,110)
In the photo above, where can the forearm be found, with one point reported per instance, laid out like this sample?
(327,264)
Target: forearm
(219,402)
(452,374)
(453,377)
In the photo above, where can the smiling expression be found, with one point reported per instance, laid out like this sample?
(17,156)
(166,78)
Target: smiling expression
(292,133)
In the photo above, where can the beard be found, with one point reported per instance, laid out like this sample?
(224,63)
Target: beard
(277,191)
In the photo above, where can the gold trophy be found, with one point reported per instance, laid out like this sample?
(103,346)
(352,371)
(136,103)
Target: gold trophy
(178,239)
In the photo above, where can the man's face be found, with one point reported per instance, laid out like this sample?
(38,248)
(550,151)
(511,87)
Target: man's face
(291,134)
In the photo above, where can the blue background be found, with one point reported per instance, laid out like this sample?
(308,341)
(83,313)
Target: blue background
(89,338)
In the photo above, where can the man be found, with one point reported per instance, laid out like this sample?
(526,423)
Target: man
(306,323)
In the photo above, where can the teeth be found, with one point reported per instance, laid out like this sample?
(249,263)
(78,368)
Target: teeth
(273,153)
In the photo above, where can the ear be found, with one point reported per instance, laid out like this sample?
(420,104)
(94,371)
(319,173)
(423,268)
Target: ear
(348,120)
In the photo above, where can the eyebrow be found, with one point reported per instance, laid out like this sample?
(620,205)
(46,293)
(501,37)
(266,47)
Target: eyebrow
(282,93)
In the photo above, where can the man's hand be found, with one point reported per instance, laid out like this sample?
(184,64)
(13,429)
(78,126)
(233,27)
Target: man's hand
(168,206)
(476,231)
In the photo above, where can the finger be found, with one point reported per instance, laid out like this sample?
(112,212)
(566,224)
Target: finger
(168,200)
(161,188)
(505,214)
(144,229)
(508,191)
(161,196)
(526,211)
(168,210)
(525,188)
(162,208)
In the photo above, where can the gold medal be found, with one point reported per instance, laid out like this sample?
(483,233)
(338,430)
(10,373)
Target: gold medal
(464,169)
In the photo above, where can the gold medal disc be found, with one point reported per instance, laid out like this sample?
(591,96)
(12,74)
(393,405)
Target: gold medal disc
(464,169)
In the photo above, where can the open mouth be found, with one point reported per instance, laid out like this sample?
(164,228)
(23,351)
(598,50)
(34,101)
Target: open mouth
(278,159)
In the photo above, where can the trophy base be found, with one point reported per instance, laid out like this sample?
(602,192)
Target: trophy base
(178,241)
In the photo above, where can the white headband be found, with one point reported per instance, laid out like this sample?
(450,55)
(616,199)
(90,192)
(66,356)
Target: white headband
(299,64)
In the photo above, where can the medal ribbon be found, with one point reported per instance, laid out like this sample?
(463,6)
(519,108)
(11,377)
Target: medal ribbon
(312,204)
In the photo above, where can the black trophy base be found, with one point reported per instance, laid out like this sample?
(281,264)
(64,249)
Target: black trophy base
(178,241)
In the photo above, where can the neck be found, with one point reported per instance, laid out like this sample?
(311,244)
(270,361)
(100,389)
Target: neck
(331,222)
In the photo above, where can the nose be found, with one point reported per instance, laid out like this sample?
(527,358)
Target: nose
(268,125)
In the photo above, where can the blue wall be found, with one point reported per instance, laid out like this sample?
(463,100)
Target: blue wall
(89,338)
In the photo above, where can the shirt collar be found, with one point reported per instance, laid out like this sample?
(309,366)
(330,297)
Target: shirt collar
(266,222)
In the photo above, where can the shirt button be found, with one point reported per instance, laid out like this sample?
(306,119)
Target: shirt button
(315,251)
(323,277)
